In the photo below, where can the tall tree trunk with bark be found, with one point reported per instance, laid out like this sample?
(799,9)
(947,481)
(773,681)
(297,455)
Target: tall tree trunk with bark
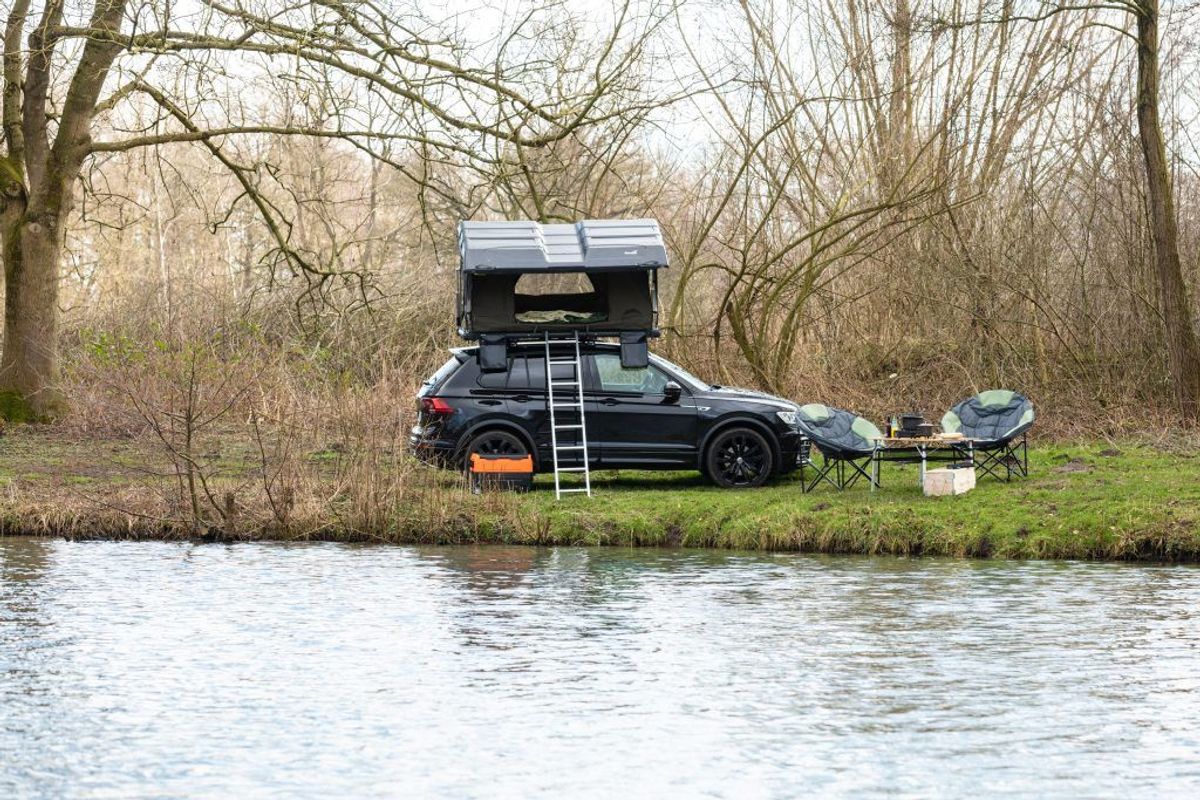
(39,177)
(55,69)
(29,366)
(1183,352)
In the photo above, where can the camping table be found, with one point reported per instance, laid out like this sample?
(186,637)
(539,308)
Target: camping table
(919,450)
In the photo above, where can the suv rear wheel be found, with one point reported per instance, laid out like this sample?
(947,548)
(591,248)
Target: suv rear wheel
(494,443)
(739,458)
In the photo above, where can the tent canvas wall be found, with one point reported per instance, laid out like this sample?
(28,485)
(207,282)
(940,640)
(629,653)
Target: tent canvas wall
(619,259)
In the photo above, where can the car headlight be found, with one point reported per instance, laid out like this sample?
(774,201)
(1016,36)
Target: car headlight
(788,417)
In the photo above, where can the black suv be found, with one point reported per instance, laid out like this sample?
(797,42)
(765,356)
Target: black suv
(655,417)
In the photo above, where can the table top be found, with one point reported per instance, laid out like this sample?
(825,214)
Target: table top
(921,441)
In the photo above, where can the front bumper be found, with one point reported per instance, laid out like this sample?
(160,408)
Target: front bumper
(791,449)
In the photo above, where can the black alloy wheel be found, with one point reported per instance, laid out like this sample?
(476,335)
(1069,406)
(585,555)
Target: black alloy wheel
(495,443)
(739,458)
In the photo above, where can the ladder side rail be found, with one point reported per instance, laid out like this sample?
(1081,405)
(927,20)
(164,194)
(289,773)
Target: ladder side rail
(553,421)
(587,464)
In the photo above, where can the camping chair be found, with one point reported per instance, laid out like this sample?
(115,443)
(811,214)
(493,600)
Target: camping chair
(997,421)
(848,444)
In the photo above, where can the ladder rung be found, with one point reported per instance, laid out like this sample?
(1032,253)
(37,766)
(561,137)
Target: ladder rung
(568,427)
(565,383)
(568,405)
(569,447)
(572,469)
(580,489)
(560,362)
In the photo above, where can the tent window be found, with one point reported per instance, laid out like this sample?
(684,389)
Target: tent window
(542,283)
(550,298)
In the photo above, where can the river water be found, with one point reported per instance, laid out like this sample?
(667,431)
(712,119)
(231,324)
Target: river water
(167,670)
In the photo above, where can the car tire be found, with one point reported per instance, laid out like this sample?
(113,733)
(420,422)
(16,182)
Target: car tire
(739,458)
(494,442)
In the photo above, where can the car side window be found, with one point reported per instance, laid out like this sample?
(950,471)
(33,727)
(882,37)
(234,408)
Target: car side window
(528,374)
(495,380)
(616,378)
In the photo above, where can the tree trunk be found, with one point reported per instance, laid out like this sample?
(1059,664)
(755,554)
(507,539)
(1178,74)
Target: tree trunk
(898,148)
(37,198)
(1183,352)
(29,366)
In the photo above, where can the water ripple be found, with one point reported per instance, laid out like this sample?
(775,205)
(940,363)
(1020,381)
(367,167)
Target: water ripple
(165,670)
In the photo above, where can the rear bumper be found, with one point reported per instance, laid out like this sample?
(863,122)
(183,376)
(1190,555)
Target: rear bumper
(430,449)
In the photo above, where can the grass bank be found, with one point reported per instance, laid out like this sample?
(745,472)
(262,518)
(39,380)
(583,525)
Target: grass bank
(1128,500)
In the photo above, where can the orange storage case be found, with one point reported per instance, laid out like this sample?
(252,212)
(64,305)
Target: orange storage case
(501,464)
(511,473)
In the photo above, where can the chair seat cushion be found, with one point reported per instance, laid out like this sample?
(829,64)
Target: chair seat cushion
(838,433)
(992,418)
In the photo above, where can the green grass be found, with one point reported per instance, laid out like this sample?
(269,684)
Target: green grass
(1139,504)
(14,408)
(1082,501)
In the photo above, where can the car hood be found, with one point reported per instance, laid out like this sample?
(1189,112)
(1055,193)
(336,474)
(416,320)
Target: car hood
(747,395)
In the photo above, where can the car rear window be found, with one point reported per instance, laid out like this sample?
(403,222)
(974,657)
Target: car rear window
(470,377)
(438,377)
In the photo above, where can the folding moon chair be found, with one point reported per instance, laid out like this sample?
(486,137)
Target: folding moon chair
(997,421)
(847,444)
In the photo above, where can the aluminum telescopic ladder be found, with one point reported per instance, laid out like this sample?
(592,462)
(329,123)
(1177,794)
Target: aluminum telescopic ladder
(568,437)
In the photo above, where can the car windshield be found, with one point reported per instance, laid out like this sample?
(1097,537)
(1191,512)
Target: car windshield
(681,373)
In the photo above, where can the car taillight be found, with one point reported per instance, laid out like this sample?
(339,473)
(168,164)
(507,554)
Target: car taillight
(436,405)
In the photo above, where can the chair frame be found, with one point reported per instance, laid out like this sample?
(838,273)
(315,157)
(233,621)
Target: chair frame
(1011,456)
(833,470)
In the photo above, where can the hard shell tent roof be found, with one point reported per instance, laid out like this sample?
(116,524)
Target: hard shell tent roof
(588,246)
(619,258)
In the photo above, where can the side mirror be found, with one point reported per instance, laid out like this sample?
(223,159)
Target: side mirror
(672,392)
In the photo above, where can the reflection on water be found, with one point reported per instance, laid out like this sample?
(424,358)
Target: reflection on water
(168,670)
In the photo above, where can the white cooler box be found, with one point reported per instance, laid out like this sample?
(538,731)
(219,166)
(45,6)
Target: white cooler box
(941,482)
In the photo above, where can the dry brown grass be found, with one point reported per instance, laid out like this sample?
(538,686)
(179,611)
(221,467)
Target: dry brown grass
(254,428)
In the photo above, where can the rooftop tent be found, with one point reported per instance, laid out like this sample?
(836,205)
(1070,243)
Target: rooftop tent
(616,261)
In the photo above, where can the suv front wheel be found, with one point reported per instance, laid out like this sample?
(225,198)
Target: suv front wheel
(739,458)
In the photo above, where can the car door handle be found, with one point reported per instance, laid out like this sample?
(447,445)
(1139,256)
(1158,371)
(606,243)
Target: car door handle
(522,398)
(489,402)
(610,401)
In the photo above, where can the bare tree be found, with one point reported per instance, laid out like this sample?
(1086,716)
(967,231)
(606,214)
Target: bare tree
(1178,325)
(389,75)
